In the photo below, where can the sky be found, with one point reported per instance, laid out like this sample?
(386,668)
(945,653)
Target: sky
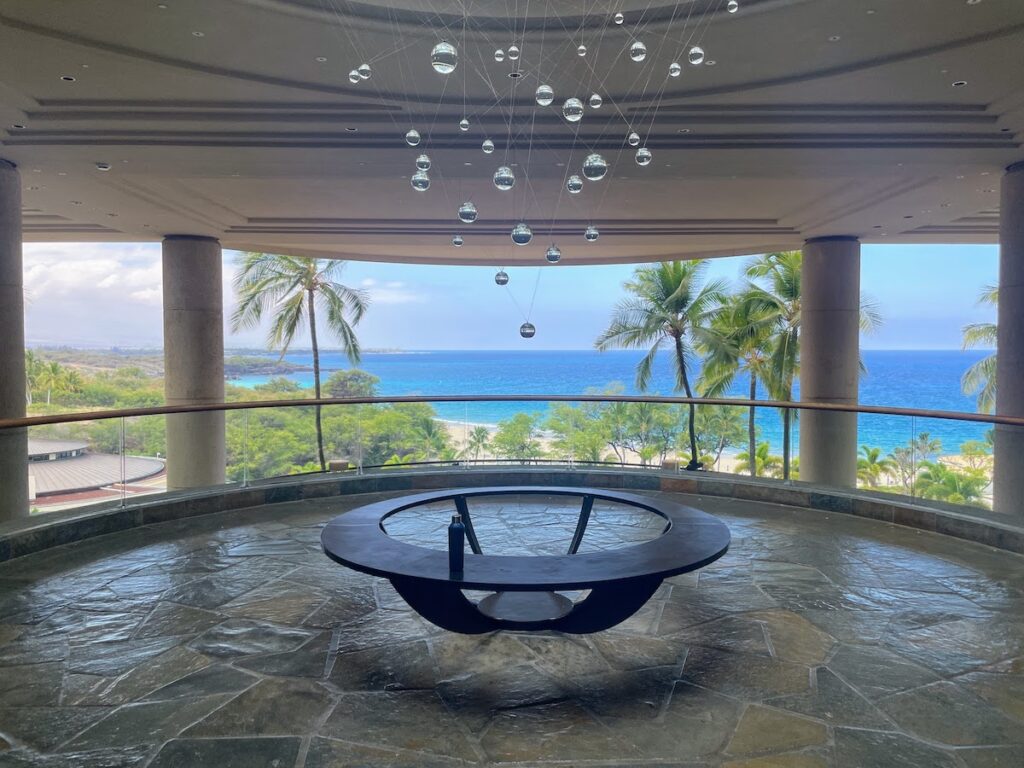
(107,295)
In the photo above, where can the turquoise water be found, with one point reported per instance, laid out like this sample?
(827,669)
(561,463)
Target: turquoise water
(913,379)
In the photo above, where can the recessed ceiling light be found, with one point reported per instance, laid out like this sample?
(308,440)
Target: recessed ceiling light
(32,188)
(959,83)
(67,78)
(871,12)
(18,127)
(908,217)
(834,39)
(103,166)
(710,63)
(198,34)
(467,163)
(76,202)
(350,129)
(321,59)
(162,6)
(684,130)
(62,173)
(515,75)
(985,173)
(974,2)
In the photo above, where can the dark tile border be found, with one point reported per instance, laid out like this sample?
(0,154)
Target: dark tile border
(35,534)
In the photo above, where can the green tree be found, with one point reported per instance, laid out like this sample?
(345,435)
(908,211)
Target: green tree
(872,468)
(478,441)
(739,342)
(766,463)
(579,431)
(980,378)
(292,288)
(668,304)
(718,427)
(937,481)
(50,378)
(516,438)
(352,383)
(977,455)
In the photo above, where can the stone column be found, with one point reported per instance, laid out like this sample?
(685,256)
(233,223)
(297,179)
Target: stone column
(13,442)
(1008,485)
(193,359)
(829,359)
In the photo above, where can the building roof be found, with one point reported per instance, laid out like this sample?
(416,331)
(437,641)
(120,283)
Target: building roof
(38,447)
(94,470)
(887,121)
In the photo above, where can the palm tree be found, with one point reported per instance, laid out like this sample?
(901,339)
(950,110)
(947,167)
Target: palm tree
(780,292)
(765,463)
(668,305)
(981,377)
(937,481)
(33,365)
(51,378)
(739,343)
(871,467)
(293,287)
(477,442)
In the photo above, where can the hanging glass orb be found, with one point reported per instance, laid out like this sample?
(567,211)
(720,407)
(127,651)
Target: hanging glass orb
(633,139)
(574,184)
(513,52)
(487,146)
(364,71)
(553,255)
(619,18)
(581,51)
(423,163)
(420,181)
(499,55)
(353,76)
(457,241)
(527,331)
(501,278)
(522,234)
(545,95)
(463,124)
(444,57)
(595,167)
(572,110)
(643,156)
(596,101)
(412,137)
(504,179)
(591,233)
(637,51)
(696,55)
(467,213)
(674,70)
(732,6)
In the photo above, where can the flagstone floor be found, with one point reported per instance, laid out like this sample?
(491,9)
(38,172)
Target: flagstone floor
(231,641)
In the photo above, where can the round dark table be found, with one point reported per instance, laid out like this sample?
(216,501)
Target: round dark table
(620,581)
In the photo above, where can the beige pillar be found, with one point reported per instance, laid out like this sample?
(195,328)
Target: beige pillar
(13,442)
(193,359)
(1008,487)
(829,359)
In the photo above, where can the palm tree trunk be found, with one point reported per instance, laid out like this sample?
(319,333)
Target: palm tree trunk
(751,431)
(681,362)
(316,379)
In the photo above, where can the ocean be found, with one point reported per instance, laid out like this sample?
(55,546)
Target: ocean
(927,379)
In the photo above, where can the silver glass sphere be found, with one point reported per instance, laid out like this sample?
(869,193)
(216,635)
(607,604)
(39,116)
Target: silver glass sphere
(513,52)
(412,137)
(364,71)
(596,101)
(643,156)
(504,179)
(423,163)
(420,181)
(444,58)
(595,167)
(501,278)
(499,55)
(467,213)
(522,234)
(581,51)
(696,55)
(545,95)
(574,184)
(675,69)
(353,76)
(457,241)
(463,124)
(527,330)
(553,254)
(637,51)
(732,6)
(618,18)
(572,110)
(633,139)
(591,234)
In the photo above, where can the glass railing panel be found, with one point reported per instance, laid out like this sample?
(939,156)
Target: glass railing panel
(274,442)
(953,461)
(144,456)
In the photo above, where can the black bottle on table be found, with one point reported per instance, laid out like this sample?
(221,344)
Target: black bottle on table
(456,546)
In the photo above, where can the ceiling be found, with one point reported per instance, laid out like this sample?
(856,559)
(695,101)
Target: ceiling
(236,119)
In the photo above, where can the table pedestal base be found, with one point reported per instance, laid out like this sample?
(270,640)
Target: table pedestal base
(525,606)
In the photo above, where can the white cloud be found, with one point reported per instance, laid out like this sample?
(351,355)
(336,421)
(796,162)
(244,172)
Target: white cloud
(392,293)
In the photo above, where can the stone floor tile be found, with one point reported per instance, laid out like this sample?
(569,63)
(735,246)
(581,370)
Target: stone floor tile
(695,725)
(794,638)
(228,753)
(382,628)
(208,681)
(116,658)
(279,601)
(948,714)
(126,757)
(332,753)
(475,698)
(752,678)
(272,707)
(457,654)
(242,637)
(762,730)
(389,668)
(149,723)
(45,728)
(631,652)
(730,633)
(150,675)
(408,720)
(173,619)
(877,672)
(791,760)
(836,703)
(564,656)
(992,757)
(1005,692)
(874,749)
(34,685)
